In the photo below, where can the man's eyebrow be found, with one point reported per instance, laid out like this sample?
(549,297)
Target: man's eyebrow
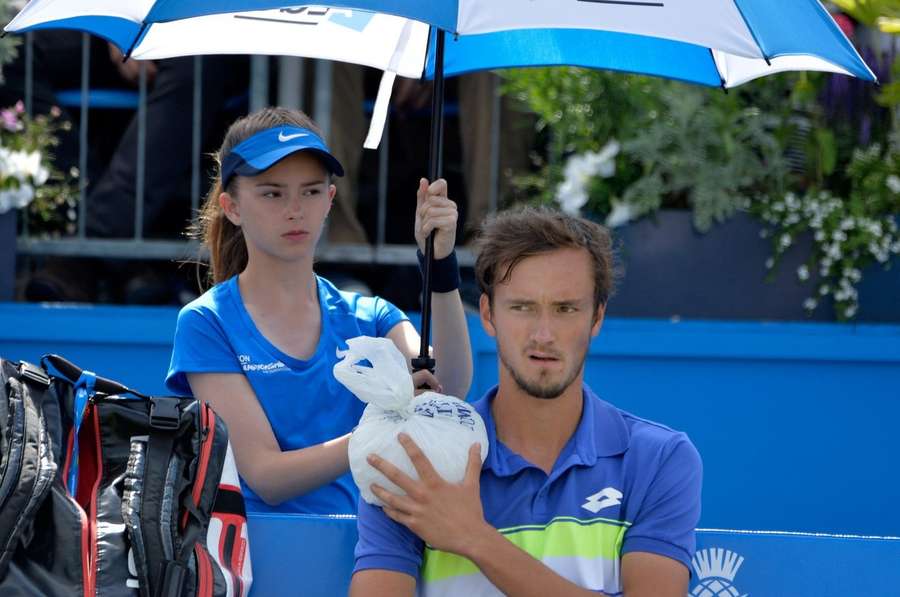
(524,301)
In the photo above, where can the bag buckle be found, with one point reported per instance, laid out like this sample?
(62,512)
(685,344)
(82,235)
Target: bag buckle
(34,374)
(164,413)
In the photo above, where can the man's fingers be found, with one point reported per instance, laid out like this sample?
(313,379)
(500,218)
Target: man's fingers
(399,478)
(418,458)
(400,503)
(473,466)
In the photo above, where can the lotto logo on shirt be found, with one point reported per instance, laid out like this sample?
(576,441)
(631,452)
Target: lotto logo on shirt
(247,365)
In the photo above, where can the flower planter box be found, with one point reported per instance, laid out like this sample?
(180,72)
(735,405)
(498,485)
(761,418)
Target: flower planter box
(672,271)
(7,255)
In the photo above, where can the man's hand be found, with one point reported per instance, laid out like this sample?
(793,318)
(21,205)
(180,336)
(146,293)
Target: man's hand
(447,516)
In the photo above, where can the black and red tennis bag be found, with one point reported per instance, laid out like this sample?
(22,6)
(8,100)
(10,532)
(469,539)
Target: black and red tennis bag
(107,492)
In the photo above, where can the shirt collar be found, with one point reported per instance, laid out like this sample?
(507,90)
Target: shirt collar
(601,432)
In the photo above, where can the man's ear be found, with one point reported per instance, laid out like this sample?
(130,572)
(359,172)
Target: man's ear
(231,208)
(598,319)
(484,311)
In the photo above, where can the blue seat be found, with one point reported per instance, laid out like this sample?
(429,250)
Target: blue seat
(298,554)
(118,99)
(295,554)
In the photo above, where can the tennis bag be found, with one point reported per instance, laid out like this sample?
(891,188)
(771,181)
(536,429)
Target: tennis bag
(107,492)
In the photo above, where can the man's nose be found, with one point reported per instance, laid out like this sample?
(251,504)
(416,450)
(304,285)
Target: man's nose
(543,330)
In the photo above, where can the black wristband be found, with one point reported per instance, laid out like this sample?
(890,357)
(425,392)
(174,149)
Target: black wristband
(444,272)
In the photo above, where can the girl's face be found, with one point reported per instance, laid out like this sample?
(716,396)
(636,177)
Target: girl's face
(282,210)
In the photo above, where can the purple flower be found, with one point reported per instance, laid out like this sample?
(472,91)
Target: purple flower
(10,120)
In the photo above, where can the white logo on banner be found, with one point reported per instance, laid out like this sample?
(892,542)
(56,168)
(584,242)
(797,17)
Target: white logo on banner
(716,569)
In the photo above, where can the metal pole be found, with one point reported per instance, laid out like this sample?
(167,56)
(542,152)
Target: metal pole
(141,154)
(435,168)
(29,72)
(83,135)
(29,99)
(322,96)
(196,134)
(259,82)
(496,115)
(290,81)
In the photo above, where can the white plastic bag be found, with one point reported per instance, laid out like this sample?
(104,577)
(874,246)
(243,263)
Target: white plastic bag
(442,426)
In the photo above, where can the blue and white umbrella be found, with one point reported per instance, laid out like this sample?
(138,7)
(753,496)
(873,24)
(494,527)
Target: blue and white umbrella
(709,42)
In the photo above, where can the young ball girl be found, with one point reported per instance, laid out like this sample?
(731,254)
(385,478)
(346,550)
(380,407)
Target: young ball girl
(259,346)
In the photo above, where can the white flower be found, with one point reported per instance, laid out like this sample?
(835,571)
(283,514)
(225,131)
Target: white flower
(819,236)
(580,168)
(785,241)
(839,236)
(571,197)
(824,289)
(16,198)
(893,183)
(770,263)
(850,311)
(810,304)
(803,272)
(621,213)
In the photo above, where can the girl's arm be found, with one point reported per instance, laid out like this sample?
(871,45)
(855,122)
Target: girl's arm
(450,333)
(274,476)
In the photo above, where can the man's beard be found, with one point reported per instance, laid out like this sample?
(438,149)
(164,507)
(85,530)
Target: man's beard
(543,391)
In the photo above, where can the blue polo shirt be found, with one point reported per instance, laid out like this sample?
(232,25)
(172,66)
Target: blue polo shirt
(304,403)
(620,484)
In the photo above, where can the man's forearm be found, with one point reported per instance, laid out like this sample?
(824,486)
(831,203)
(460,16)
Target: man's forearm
(515,572)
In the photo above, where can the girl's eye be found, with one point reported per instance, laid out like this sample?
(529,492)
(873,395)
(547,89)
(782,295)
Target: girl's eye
(271,194)
(567,309)
(311,192)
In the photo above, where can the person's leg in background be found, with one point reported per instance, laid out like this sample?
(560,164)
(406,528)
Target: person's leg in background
(347,133)
(168,150)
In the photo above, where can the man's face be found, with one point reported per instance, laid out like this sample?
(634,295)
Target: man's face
(543,318)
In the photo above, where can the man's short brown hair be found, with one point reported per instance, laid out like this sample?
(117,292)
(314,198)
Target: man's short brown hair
(511,236)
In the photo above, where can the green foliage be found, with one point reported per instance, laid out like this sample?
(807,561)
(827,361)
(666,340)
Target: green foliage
(884,14)
(682,145)
(849,233)
(28,178)
(9,44)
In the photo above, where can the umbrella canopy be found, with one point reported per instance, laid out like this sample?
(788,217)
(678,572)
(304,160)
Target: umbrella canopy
(711,42)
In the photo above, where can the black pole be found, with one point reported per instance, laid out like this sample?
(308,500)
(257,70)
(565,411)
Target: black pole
(435,167)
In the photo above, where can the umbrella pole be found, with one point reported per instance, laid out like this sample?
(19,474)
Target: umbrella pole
(435,167)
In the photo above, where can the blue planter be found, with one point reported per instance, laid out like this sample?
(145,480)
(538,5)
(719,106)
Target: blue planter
(8,255)
(672,271)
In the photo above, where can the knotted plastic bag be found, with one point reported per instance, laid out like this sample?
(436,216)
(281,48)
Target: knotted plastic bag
(442,426)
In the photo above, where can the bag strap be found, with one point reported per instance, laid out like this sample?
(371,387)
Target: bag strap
(30,465)
(72,372)
(166,569)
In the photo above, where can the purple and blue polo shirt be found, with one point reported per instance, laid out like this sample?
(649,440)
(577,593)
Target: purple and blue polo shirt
(620,484)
